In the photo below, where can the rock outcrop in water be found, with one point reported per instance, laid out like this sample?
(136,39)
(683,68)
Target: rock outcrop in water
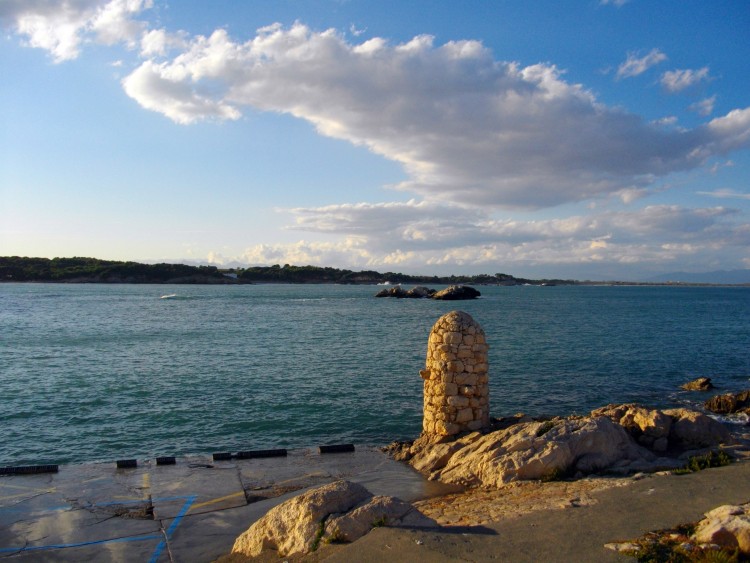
(700,384)
(452,293)
(729,403)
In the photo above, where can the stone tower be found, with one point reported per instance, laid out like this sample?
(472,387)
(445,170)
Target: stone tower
(456,390)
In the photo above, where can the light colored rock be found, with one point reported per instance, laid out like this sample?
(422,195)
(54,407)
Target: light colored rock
(683,428)
(523,452)
(692,429)
(378,511)
(727,526)
(700,384)
(291,527)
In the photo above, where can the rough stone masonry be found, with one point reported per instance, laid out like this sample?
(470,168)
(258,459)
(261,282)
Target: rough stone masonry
(456,390)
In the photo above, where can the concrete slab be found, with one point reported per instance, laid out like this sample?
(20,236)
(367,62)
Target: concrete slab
(300,469)
(188,542)
(195,485)
(191,511)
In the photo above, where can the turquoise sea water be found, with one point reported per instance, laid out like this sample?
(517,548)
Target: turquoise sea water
(102,372)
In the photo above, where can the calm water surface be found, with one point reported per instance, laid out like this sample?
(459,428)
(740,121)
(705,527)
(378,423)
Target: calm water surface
(98,372)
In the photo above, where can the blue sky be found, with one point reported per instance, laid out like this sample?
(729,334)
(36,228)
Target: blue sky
(583,139)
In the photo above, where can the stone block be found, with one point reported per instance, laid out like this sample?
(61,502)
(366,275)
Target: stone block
(465,415)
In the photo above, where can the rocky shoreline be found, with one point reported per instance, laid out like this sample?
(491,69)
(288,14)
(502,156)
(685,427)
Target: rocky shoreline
(507,466)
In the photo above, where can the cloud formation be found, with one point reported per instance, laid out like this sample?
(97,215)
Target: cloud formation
(634,65)
(380,236)
(61,26)
(678,80)
(465,126)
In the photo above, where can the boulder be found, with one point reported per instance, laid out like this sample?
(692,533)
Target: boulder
(293,526)
(700,384)
(456,292)
(648,426)
(729,403)
(727,526)
(540,450)
(673,428)
(418,292)
(616,439)
(691,429)
(421,292)
(396,291)
(378,511)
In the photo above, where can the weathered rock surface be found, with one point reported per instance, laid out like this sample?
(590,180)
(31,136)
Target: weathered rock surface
(456,292)
(452,293)
(378,511)
(614,439)
(291,527)
(339,511)
(700,384)
(729,403)
(727,526)
(691,429)
(419,292)
(541,450)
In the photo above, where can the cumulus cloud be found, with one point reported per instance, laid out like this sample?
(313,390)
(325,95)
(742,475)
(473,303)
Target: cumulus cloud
(466,127)
(618,3)
(381,236)
(60,26)
(678,80)
(635,65)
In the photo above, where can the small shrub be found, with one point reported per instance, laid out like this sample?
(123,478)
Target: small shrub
(379,522)
(319,535)
(701,462)
(544,428)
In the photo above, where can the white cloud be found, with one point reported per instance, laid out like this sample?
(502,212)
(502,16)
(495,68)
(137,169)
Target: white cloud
(158,42)
(466,127)
(681,79)
(704,107)
(725,193)
(633,65)
(381,236)
(618,3)
(161,91)
(60,26)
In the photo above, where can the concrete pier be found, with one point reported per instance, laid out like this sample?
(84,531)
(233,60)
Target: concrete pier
(190,511)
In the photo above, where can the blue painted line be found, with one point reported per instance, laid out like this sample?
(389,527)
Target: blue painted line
(189,500)
(176,522)
(81,544)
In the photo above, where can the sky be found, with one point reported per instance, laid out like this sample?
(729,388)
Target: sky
(586,139)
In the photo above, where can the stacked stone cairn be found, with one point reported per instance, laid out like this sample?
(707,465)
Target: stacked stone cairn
(456,390)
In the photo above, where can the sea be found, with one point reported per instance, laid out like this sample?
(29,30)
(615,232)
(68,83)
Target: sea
(95,372)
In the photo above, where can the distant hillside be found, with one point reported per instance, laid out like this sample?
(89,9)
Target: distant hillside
(92,270)
(718,277)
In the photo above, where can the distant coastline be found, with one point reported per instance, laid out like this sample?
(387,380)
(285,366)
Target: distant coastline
(94,270)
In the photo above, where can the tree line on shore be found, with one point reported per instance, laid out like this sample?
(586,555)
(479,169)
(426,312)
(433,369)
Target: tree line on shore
(93,270)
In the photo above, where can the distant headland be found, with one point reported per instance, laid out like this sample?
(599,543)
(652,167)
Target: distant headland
(94,270)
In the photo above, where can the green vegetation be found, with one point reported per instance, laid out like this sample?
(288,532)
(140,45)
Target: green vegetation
(92,270)
(676,546)
(701,462)
(544,428)
(319,534)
